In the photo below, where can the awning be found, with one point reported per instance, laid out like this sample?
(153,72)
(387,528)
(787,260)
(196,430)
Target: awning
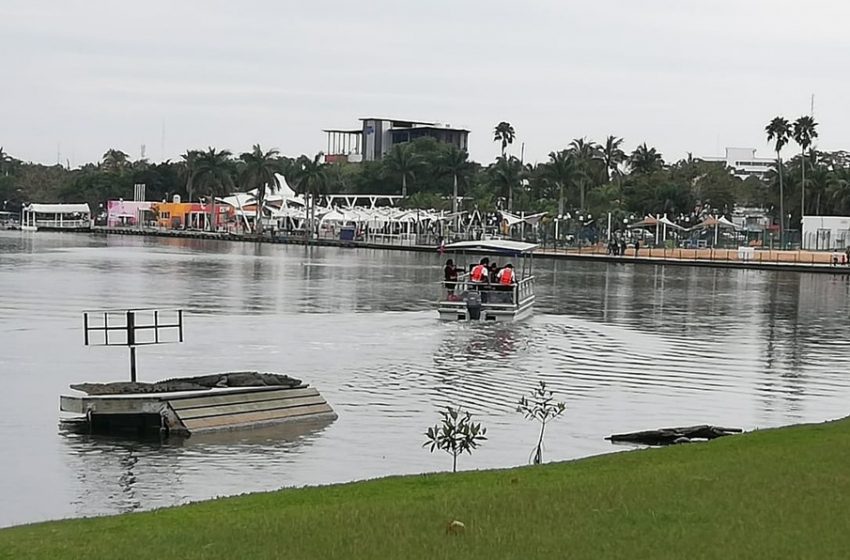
(500,246)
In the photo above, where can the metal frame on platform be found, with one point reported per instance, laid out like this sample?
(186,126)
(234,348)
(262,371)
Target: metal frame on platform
(132,328)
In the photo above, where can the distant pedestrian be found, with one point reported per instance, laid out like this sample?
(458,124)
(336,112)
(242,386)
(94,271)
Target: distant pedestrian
(637,247)
(623,247)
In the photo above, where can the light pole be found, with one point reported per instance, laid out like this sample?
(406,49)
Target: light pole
(787,233)
(558,219)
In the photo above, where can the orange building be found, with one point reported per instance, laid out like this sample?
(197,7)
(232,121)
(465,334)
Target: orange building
(191,215)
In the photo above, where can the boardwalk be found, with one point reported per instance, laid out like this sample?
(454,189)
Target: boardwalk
(804,261)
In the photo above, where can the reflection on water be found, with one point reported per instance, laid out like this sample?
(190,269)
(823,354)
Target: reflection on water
(626,346)
(121,474)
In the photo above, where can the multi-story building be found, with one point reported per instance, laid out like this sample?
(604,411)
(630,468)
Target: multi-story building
(744,163)
(376,137)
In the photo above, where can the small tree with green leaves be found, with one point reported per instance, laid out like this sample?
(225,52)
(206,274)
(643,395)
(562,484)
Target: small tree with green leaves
(540,405)
(455,433)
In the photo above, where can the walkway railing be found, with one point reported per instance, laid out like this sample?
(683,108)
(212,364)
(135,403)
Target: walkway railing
(740,255)
(491,293)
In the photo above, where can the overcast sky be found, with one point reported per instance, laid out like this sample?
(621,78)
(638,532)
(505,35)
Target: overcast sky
(86,75)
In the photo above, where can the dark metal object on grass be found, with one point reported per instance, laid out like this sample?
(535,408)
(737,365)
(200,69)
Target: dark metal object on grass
(669,436)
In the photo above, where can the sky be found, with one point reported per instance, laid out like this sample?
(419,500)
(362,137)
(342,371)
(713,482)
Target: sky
(82,76)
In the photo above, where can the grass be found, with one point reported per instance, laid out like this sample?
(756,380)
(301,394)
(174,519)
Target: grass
(772,494)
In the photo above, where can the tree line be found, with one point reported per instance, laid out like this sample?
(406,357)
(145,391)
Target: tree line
(582,177)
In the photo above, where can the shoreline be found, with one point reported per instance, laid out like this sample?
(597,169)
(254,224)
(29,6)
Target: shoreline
(782,265)
(657,502)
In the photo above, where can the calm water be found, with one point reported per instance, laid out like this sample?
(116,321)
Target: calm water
(627,347)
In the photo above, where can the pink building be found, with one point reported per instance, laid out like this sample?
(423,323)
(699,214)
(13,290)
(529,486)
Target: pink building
(126,212)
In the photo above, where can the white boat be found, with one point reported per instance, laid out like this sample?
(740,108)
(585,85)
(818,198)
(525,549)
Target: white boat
(477,301)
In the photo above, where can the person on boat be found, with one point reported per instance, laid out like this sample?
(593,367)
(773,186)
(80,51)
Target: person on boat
(506,275)
(481,272)
(450,277)
(494,273)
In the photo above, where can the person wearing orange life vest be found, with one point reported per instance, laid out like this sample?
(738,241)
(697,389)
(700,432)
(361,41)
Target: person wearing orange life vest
(480,273)
(507,276)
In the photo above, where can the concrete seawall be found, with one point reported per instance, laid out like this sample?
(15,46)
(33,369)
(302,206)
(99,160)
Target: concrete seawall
(795,261)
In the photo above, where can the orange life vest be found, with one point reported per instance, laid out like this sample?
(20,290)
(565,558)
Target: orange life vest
(479,273)
(506,276)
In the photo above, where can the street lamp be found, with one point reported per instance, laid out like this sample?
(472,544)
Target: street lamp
(558,219)
(787,233)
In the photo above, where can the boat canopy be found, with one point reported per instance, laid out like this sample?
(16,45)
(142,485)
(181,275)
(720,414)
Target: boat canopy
(58,208)
(498,246)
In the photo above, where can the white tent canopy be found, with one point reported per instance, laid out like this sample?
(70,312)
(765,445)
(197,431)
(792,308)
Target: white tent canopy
(714,221)
(58,208)
(513,219)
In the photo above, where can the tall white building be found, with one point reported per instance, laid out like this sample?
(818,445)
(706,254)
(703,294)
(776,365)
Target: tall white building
(744,163)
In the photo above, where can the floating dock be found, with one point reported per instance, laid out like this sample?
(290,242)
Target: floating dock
(180,405)
(188,412)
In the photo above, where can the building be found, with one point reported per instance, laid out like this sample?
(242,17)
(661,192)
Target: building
(751,219)
(744,163)
(192,215)
(824,233)
(376,137)
(121,213)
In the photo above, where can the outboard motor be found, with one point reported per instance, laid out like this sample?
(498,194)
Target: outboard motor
(473,305)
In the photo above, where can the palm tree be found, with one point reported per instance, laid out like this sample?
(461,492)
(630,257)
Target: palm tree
(505,174)
(404,162)
(838,192)
(505,134)
(214,173)
(585,153)
(819,180)
(612,155)
(561,171)
(778,131)
(646,160)
(188,170)
(311,179)
(805,131)
(455,162)
(258,171)
(114,161)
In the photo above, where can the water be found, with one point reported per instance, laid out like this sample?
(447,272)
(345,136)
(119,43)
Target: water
(626,347)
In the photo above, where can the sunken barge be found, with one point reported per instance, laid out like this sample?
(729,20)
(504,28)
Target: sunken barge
(183,406)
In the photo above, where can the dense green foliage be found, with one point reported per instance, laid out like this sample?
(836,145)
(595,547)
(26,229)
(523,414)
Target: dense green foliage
(770,494)
(584,176)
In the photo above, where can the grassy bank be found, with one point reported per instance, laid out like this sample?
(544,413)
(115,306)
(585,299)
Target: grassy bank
(772,494)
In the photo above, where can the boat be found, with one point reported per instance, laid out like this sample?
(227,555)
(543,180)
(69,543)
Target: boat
(469,301)
(56,217)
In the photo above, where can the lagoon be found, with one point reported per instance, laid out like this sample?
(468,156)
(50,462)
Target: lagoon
(626,346)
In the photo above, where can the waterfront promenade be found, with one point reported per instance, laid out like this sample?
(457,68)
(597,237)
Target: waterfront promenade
(763,259)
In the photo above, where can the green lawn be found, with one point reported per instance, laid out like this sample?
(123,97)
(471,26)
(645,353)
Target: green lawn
(772,494)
